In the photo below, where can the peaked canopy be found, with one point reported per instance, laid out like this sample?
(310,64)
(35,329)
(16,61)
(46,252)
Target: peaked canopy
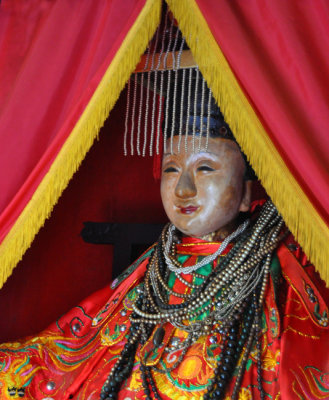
(64,63)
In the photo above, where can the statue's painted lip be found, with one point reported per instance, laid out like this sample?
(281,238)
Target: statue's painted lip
(188,210)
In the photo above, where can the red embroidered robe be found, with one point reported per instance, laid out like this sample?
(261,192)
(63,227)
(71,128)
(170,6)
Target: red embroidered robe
(72,358)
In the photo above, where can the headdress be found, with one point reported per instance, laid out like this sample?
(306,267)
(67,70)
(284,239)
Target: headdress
(168,96)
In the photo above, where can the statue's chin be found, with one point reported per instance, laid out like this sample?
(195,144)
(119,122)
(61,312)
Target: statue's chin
(218,234)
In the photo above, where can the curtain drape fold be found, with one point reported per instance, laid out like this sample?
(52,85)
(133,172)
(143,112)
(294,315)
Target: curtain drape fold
(64,64)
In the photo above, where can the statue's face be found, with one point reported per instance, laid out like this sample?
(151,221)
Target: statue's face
(203,192)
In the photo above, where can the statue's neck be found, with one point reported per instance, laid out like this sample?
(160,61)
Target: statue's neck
(220,234)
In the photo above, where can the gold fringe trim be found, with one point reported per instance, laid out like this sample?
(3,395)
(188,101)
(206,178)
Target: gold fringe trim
(298,212)
(68,160)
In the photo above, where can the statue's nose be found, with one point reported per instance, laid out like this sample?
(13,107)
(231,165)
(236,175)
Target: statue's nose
(185,187)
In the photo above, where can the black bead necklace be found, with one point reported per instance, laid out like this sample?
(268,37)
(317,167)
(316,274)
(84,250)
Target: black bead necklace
(240,328)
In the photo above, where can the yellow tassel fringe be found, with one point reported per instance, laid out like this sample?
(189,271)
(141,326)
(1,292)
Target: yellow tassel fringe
(298,212)
(80,140)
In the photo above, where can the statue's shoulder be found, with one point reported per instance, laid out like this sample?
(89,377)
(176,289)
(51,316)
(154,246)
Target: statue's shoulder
(73,342)
(300,275)
(135,268)
(304,325)
(90,313)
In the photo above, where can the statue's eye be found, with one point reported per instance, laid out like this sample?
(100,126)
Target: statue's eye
(205,168)
(170,169)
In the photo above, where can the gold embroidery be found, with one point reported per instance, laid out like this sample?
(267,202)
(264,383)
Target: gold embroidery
(289,328)
(295,391)
(188,252)
(197,244)
(295,301)
(271,360)
(297,316)
(245,394)
(311,388)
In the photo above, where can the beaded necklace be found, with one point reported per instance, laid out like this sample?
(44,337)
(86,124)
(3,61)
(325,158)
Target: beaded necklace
(176,267)
(228,301)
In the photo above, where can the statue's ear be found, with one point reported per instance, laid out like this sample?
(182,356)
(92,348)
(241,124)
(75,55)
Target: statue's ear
(246,198)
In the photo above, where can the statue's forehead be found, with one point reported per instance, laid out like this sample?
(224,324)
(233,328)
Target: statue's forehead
(196,145)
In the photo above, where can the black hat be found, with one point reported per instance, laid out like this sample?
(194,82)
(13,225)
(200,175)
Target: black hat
(191,109)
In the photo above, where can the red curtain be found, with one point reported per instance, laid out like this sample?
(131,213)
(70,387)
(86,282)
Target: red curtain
(278,51)
(53,56)
(63,65)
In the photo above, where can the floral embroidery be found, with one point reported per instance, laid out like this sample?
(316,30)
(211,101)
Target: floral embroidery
(271,360)
(322,318)
(18,375)
(245,394)
(99,317)
(130,269)
(311,383)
